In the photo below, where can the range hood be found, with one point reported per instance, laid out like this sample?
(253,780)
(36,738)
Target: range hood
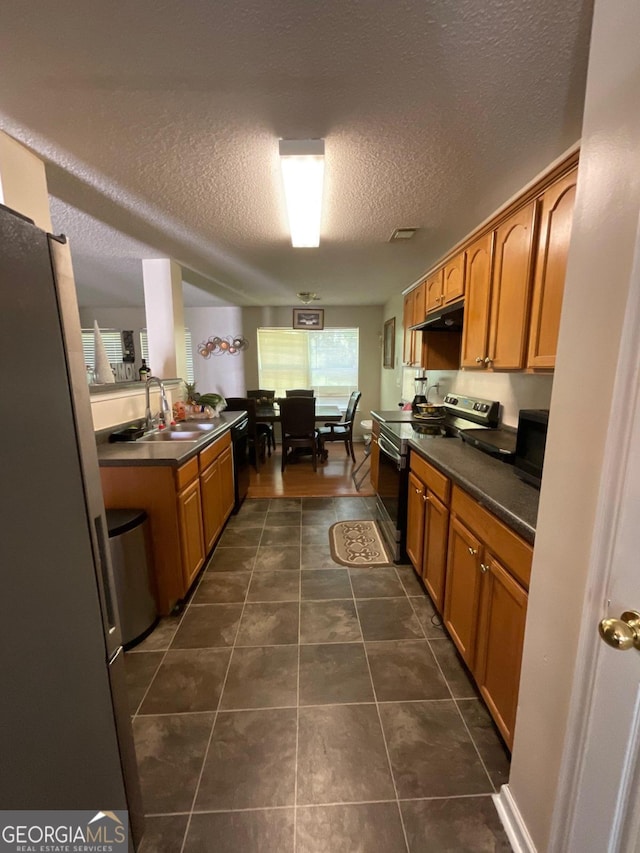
(446,319)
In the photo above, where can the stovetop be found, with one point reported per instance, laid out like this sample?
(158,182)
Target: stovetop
(472,419)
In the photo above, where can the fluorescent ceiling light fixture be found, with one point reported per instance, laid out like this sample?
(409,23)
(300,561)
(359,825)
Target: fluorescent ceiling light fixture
(302,163)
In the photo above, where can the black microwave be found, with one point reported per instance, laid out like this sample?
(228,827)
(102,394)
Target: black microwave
(530,444)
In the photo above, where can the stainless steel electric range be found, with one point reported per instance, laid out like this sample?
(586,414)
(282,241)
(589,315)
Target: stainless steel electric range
(471,419)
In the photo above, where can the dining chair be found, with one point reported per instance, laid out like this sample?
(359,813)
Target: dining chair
(257,440)
(300,392)
(343,430)
(265,398)
(298,423)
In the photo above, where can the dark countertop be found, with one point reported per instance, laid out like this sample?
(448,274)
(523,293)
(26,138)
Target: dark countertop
(491,482)
(174,453)
(393,416)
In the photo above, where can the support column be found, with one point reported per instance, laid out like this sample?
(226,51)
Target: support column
(23,182)
(164,309)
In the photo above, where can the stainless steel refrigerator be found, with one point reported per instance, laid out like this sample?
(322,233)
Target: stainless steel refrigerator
(65,731)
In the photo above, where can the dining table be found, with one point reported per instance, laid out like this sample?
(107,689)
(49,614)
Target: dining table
(271,414)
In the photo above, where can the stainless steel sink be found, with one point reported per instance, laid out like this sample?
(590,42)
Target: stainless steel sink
(192,426)
(171,435)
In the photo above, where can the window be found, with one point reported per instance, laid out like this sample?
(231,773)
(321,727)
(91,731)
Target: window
(326,361)
(144,352)
(112,340)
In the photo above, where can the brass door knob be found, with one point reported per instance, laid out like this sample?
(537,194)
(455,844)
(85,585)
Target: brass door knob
(622,633)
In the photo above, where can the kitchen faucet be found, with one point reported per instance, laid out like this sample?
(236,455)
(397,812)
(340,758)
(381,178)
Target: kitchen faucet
(165,410)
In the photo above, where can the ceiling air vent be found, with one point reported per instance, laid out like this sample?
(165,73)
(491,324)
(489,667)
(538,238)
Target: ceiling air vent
(402,234)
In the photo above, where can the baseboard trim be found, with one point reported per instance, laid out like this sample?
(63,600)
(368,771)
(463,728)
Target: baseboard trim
(512,822)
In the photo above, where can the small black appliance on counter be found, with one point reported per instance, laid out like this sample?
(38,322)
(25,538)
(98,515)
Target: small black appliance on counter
(530,445)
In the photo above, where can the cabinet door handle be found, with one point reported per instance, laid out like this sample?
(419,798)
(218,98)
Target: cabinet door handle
(484,568)
(488,360)
(473,551)
(425,498)
(479,359)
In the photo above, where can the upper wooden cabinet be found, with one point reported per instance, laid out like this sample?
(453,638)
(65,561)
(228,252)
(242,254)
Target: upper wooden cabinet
(407,322)
(433,291)
(511,278)
(430,350)
(453,279)
(556,216)
(477,302)
(511,290)
(419,305)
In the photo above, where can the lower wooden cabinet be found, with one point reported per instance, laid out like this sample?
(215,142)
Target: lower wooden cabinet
(488,566)
(435,552)
(187,509)
(191,536)
(427,525)
(503,611)
(477,572)
(216,486)
(462,589)
(415,522)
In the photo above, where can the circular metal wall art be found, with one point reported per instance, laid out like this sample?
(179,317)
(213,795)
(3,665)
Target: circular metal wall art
(231,345)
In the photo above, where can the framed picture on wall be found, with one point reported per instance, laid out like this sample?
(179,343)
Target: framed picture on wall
(389,343)
(308,318)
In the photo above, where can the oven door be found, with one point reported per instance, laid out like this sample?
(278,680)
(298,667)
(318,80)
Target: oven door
(392,495)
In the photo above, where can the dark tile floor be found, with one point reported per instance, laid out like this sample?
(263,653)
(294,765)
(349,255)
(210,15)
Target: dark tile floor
(297,705)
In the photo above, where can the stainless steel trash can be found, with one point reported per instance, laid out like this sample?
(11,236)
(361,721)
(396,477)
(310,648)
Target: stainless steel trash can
(128,532)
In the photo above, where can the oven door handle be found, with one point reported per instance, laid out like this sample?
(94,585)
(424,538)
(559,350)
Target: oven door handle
(389,450)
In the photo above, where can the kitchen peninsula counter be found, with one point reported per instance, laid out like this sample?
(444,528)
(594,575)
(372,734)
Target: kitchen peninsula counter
(172,453)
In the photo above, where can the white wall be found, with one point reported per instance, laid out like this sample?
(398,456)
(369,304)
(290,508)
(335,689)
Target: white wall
(391,380)
(515,391)
(600,266)
(220,374)
(122,404)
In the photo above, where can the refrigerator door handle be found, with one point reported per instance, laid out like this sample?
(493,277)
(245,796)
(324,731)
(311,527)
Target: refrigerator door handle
(110,613)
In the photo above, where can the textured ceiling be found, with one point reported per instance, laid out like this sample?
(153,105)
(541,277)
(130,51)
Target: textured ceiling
(159,124)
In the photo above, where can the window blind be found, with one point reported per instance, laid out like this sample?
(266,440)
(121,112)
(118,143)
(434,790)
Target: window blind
(112,340)
(326,360)
(144,352)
